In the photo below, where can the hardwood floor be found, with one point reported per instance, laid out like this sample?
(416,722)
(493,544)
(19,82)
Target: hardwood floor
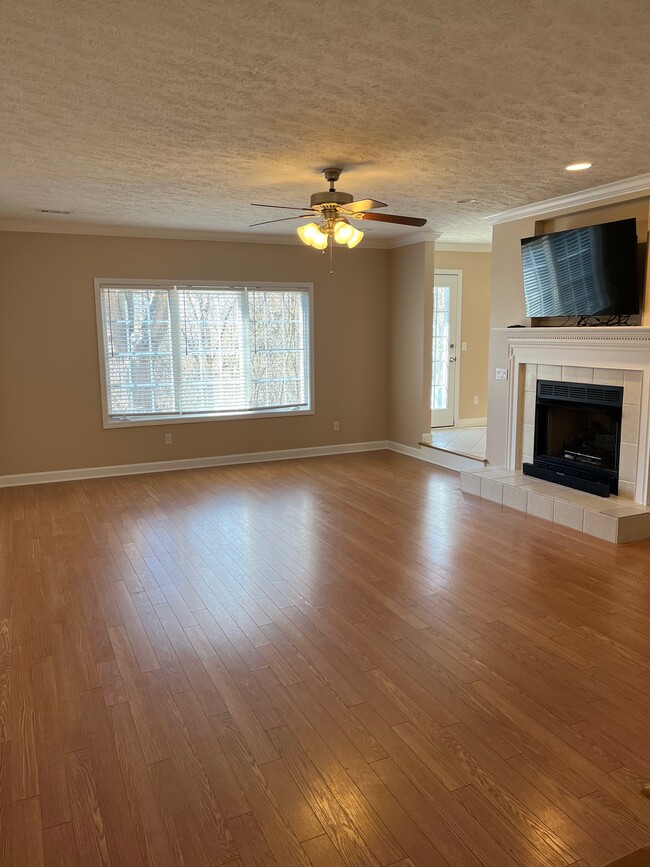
(335,661)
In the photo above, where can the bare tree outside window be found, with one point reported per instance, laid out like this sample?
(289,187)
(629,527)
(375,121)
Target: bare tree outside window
(198,350)
(139,352)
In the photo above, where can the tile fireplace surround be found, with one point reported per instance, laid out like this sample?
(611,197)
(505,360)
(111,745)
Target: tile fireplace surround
(605,356)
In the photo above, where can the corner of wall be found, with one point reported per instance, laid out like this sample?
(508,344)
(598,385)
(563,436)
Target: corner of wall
(411,278)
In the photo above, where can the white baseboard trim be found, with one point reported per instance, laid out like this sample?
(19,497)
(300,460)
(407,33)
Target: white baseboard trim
(190,464)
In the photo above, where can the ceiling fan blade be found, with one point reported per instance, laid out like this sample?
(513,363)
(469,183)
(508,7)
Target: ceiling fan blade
(365,205)
(284,207)
(394,218)
(281,220)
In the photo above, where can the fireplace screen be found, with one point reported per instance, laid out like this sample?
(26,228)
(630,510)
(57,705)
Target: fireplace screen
(582,435)
(577,435)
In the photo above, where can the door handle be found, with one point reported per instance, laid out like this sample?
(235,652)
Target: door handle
(452,358)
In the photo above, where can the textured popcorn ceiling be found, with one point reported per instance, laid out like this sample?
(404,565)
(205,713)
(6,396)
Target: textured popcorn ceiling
(179,113)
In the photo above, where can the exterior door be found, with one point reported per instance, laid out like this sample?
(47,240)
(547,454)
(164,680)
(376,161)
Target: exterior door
(445,349)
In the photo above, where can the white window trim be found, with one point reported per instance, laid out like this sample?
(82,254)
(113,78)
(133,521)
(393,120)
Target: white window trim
(109,422)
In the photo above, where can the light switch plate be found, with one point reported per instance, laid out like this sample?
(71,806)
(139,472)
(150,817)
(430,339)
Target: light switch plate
(502,373)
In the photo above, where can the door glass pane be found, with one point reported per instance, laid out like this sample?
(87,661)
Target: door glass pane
(440,354)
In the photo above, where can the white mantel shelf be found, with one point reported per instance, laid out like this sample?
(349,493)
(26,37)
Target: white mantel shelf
(624,337)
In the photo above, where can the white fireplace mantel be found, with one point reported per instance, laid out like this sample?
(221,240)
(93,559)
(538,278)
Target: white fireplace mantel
(615,348)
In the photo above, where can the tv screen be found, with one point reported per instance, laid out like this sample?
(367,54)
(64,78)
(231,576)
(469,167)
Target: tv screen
(582,272)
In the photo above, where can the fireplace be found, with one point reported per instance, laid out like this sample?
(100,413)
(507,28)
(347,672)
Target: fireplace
(577,438)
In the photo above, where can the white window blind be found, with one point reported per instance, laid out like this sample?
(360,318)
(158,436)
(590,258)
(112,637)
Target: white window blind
(193,350)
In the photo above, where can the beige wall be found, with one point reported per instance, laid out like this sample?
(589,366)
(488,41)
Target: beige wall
(50,406)
(411,311)
(507,293)
(475,328)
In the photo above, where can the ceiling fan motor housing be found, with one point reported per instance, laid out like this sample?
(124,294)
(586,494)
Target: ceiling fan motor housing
(331,198)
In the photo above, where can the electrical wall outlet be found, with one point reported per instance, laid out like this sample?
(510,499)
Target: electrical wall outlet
(336,425)
(463,346)
(476,400)
(168,439)
(502,373)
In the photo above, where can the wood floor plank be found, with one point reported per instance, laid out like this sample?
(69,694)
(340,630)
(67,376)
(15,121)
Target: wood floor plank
(140,642)
(197,675)
(338,821)
(59,847)
(26,837)
(235,702)
(250,841)
(161,645)
(69,683)
(5,802)
(292,801)
(608,841)
(112,683)
(24,764)
(213,841)
(147,719)
(323,853)
(275,826)
(313,747)
(87,820)
(120,832)
(423,795)
(54,801)
(205,744)
(176,814)
(5,679)
(324,661)
(155,846)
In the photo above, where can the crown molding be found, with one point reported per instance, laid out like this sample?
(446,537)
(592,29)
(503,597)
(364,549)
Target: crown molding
(110,230)
(594,195)
(460,247)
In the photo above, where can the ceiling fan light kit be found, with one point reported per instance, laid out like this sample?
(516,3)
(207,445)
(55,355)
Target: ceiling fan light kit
(312,235)
(335,209)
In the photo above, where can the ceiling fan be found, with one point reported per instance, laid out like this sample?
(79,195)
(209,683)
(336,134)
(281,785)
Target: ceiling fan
(334,210)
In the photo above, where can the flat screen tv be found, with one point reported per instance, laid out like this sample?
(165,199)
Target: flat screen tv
(582,272)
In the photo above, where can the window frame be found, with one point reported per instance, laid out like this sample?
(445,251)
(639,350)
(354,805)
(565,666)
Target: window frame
(109,422)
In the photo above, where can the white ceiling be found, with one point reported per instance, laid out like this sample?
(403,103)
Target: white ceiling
(172,114)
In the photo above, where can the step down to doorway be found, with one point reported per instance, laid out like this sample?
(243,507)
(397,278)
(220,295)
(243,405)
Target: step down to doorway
(453,460)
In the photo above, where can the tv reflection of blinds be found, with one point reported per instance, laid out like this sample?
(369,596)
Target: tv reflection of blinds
(582,272)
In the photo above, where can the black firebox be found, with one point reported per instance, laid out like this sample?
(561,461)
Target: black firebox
(577,435)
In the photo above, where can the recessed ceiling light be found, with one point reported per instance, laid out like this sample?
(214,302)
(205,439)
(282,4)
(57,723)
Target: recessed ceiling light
(577,167)
(467,201)
(52,211)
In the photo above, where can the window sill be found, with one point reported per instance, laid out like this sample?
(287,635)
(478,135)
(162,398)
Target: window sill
(151,421)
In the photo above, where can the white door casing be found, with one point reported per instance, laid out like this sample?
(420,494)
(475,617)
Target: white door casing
(445,351)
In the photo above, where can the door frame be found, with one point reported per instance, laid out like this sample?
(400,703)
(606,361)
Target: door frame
(458,273)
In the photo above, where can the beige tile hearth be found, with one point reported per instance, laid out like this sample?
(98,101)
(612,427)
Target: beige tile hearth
(613,519)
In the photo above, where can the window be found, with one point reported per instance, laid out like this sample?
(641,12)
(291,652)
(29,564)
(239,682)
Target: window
(185,352)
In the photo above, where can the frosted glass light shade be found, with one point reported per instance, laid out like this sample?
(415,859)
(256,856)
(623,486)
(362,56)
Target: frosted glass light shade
(343,232)
(356,238)
(308,233)
(320,241)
